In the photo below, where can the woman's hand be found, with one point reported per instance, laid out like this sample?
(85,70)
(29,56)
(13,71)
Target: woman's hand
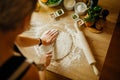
(49,36)
(46,59)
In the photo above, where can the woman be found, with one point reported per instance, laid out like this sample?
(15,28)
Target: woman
(15,17)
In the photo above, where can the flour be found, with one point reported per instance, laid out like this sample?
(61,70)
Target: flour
(80,8)
(69,2)
(63,45)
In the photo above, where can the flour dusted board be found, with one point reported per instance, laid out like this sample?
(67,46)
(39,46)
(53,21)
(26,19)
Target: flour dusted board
(74,56)
(74,65)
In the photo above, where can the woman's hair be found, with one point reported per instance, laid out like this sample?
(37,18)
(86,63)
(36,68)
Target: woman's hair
(13,12)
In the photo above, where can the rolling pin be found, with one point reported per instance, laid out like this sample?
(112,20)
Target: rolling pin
(86,49)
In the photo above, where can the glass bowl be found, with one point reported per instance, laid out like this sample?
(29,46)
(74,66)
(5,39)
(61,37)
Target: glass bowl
(52,4)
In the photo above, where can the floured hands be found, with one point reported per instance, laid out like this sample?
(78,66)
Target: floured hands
(46,58)
(49,36)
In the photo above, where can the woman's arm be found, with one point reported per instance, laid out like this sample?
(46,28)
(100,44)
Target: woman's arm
(42,75)
(45,39)
(27,41)
(43,64)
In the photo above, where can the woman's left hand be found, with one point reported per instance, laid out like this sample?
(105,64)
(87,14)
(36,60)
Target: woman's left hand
(46,58)
(49,36)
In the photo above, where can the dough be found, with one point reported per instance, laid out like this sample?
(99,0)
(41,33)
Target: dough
(61,47)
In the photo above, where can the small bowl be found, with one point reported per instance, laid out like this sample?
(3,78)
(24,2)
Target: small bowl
(75,16)
(55,4)
(69,4)
(80,8)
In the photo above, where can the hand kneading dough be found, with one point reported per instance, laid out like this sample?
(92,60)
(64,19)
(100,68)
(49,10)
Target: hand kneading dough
(61,47)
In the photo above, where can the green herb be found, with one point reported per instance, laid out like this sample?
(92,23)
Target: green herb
(60,12)
(52,2)
(74,16)
(90,18)
(93,14)
(97,9)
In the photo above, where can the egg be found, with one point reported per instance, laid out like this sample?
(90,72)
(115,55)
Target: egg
(44,1)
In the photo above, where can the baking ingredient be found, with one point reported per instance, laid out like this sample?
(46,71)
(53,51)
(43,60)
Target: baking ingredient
(44,1)
(80,8)
(74,16)
(69,4)
(60,12)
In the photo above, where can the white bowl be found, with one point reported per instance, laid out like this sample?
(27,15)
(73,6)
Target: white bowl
(80,8)
(69,4)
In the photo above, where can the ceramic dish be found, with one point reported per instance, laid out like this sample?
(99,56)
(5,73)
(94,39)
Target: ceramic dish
(80,8)
(69,4)
(53,4)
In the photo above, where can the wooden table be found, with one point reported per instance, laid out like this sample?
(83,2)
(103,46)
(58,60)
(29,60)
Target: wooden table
(99,44)
(111,67)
